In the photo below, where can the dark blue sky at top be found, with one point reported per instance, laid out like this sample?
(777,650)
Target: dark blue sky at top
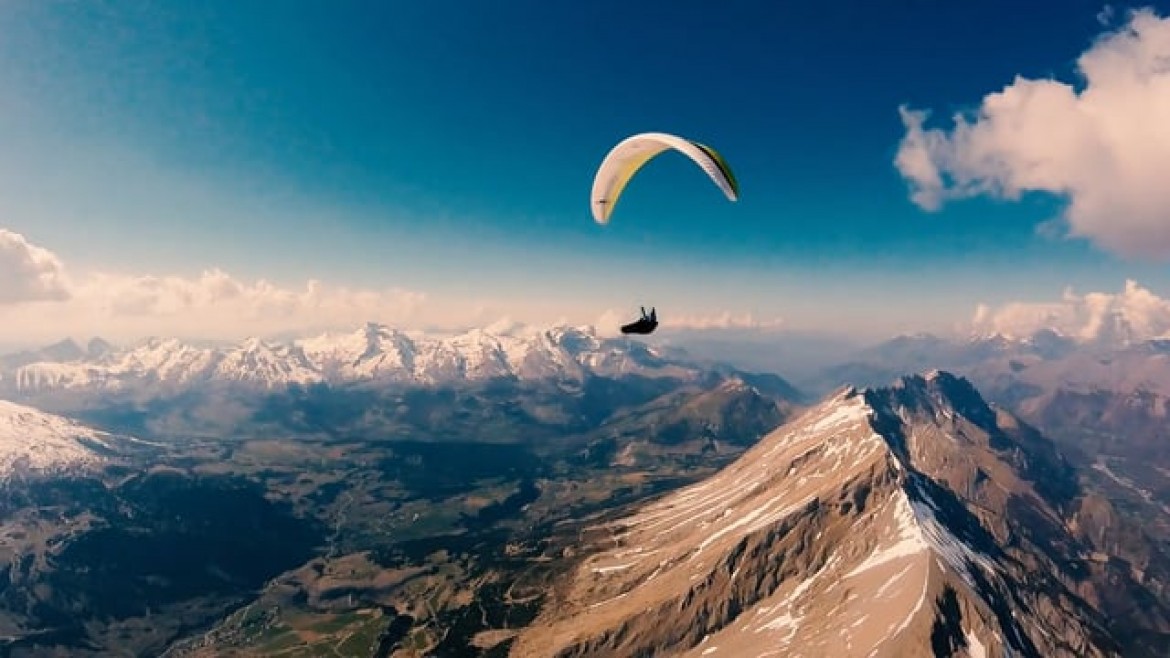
(488,119)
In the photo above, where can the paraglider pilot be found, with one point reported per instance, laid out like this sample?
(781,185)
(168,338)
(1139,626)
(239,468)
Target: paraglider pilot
(645,325)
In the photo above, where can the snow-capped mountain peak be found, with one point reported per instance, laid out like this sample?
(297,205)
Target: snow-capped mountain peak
(38,441)
(259,362)
(826,538)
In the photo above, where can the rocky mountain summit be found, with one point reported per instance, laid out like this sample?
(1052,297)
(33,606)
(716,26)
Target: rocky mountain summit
(909,520)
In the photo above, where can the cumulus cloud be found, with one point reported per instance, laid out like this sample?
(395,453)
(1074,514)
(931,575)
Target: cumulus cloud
(29,273)
(1134,314)
(258,303)
(213,305)
(1105,148)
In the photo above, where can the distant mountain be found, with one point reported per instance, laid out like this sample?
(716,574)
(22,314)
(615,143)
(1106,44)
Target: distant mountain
(909,520)
(65,350)
(799,355)
(373,353)
(695,423)
(908,354)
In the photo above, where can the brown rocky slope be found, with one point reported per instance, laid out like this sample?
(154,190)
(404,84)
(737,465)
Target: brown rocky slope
(911,520)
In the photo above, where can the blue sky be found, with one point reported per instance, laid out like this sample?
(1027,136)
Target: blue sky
(449,147)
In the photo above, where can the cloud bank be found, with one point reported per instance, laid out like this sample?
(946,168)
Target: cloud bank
(1105,147)
(1134,314)
(29,273)
(39,300)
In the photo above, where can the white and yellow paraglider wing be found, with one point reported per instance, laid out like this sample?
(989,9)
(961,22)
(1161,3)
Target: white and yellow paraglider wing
(633,153)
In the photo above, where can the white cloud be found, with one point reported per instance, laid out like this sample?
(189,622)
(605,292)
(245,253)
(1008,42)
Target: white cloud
(1133,314)
(214,305)
(1105,148)
(611,321)
(1106,15)
(29,273)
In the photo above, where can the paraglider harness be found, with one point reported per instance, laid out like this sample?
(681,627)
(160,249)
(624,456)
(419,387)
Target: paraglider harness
(645,325)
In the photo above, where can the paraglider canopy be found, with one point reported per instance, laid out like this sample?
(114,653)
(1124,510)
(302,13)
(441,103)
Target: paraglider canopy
(626,159)
(632,153)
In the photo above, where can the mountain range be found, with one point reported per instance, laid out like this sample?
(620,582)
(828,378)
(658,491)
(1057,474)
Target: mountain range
(557,384)
(551,492)
(373,353)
